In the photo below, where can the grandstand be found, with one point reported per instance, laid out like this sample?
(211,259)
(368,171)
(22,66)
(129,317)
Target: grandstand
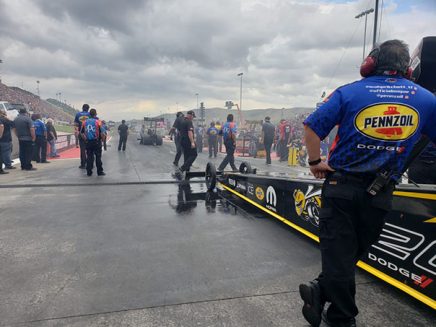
(17,95)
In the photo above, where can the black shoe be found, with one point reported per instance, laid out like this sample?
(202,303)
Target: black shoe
(351,323)
(29,169)
(89,173)
(2,172)
(311,295)
(101,174)
(45,161)
(10,167)
(82,167)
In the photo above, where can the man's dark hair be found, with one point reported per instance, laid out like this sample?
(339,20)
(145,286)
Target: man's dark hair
(212,124)
(123,121)
(393,55)
(85,107)
(178,114)
(93,112)
(229,117)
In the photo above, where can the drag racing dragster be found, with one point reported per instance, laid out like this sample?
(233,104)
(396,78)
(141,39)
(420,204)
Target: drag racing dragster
(152,131)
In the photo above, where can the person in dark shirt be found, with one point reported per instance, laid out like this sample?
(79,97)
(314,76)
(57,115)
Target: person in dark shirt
(175,133)
(6,140)
(268,132)
(187,139)
(40,149)
(123,131)
(212,140)
(26,136)
(78,121)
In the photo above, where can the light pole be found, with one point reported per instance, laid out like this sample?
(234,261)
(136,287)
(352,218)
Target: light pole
(364,13)
(37,87)
(1,61)
(196,94)
(240,99)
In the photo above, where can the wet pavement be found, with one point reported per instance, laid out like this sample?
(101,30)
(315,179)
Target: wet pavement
(133,249)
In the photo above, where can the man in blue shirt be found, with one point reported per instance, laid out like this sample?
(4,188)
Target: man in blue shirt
(380,119)
(40,149)
(78,121)
(229,131)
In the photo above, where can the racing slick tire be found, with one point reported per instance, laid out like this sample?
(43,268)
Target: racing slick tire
(210,176)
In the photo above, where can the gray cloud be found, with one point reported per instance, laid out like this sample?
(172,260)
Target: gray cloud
(148,55)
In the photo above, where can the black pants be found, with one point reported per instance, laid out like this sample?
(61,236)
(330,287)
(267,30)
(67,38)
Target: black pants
(230,158)
(213,146)
(93,148)
(40,149)
(189,155)
(350,221)
(179,150)
(82,145)
(122,143)
(26,153)
(268,144)
(1,158)
(284,150)
(423,171)
(199,143)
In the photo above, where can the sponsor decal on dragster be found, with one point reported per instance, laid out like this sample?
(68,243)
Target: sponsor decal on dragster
(271,199)
(232,182)
(260,194)
(250,189)
(241,186)
(308,204)
(405,254)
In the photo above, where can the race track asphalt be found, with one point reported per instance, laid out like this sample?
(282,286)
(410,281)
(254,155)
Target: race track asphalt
(129,249)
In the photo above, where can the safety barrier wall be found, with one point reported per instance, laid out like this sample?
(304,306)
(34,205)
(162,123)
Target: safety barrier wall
(64,142)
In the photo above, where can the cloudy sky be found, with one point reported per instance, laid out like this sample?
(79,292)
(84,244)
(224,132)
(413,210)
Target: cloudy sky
(139,57)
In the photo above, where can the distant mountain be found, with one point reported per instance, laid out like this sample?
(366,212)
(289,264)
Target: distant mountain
(66,108)
(220,114)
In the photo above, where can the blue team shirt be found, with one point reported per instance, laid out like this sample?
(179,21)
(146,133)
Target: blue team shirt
(81,117)
(212,131)
(379,119)
(40,127)
(227,128)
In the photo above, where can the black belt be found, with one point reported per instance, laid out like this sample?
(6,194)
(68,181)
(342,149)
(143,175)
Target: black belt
(354,178)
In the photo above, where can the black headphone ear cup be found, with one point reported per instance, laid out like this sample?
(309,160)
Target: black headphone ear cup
(409,72)
(368,66)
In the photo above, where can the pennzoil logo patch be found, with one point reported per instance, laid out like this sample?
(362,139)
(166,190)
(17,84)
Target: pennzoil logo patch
(387,121)
(260,194)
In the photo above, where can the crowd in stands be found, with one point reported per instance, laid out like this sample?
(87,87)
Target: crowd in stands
(34,103)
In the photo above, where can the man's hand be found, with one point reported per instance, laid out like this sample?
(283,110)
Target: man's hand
(192,145)
(320,170)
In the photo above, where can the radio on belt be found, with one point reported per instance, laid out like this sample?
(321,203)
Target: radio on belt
(382,179)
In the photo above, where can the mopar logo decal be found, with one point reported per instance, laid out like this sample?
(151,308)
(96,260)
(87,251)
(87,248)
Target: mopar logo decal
(260,195)
(232,182)
(271,198)
(387,121)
